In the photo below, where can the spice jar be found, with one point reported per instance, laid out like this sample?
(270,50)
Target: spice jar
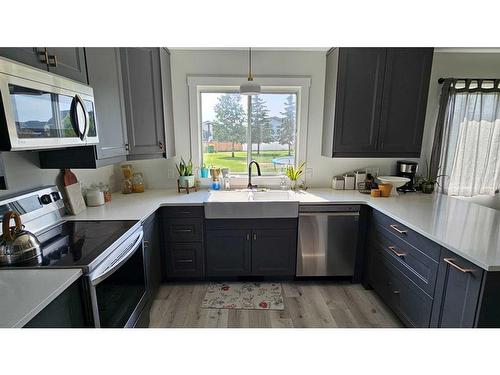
(106,191)
(138,183)
(127,186)
(127,171)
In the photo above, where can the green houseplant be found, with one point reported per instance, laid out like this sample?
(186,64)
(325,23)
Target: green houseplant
(186,177)
(294,174)
(427,183)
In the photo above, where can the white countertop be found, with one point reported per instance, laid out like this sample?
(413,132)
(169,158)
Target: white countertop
(470,230)
(25,292)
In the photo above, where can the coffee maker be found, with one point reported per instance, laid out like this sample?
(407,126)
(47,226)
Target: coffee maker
(407,169)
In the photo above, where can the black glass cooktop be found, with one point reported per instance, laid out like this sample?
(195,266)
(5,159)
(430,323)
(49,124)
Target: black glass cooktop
(78,243)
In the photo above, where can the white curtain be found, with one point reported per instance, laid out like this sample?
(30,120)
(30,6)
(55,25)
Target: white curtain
(470,158)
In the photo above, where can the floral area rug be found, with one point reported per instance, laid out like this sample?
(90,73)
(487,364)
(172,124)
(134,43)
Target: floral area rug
(248,296)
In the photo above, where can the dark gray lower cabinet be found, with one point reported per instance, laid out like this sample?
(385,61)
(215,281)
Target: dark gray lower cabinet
(184,259)
(229,252)
(182,231)
(66,311)
(153,254)
(272,251)
(457,292)
(251,247)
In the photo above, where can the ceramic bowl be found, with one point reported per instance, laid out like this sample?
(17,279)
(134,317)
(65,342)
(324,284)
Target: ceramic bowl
(395,181)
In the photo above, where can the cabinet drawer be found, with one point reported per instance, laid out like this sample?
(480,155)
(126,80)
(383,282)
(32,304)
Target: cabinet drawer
(182,212)
(398,230)
(184,260)
(406,299)
(414,264)
(183,230)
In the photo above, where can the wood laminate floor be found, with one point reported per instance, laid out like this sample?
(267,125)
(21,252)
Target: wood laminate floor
(307,305)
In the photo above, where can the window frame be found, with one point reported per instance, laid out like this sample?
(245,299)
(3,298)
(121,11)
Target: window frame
(203,84)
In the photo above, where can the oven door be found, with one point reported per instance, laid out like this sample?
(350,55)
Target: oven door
(118,285)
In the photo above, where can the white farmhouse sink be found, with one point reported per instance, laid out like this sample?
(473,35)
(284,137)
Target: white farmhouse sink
(246,204)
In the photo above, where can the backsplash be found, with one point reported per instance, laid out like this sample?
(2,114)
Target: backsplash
(23,173)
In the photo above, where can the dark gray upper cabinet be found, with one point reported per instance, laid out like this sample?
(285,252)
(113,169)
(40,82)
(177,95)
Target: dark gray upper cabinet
(147,92)
(358,80)
(33,56)
(65,61)
(68,62)
(375,101)
(104,72)
(404,101)
(457,292)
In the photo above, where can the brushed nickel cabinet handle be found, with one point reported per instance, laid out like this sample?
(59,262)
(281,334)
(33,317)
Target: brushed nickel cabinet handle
(146,244)
(248,236)
(185,261)
(44,57)
(393,249)
(453,264)
(52,60)
(395,227)
(396,291)
(183,230)
(160,145)
(255,236)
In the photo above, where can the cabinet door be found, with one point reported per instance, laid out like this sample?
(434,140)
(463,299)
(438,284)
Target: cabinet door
(152,248)
(68,310)
(404,102)
(184,260)
(68,62)
(358,101)
(33,56)
(168,110)
(141,71)
(274,252)
(104,71)
(457,292)
(228,252)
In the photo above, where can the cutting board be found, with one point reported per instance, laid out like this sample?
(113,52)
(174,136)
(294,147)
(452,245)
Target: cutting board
(75,198)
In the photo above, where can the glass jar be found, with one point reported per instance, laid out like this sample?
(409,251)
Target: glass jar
(106,191)
(127,171)
(127,186)
(138,183)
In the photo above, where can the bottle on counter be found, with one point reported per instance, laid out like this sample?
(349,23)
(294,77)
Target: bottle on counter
(138,183)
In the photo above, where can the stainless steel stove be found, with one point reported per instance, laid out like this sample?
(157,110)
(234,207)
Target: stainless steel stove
(110,254)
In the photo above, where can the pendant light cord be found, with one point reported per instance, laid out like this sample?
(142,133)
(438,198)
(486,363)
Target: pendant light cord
(250,78)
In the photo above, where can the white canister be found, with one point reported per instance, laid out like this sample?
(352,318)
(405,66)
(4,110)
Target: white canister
(349,181)
(338,183)
(95,197)
(360,178)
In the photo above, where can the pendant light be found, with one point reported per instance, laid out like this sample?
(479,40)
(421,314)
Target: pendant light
(250,87)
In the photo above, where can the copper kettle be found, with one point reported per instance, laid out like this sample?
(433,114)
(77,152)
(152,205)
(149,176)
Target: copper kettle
(18,246)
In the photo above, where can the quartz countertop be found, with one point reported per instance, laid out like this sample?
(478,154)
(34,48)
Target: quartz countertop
(26,292)
(468,229)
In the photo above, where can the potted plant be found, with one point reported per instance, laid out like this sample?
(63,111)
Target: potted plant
(186,177)
(427,183)
(294,174)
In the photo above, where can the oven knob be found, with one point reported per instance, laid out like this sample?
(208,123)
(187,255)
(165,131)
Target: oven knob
(46,199)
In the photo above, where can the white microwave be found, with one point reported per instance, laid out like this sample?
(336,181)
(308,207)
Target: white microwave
(40,110)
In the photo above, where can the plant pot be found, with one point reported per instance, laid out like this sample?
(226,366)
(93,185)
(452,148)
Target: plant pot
(427,188)
(186,181)
(204,172)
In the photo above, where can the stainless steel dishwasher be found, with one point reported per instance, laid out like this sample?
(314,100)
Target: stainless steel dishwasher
(328,238)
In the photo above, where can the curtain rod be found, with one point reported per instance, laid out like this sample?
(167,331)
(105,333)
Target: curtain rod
(441,80)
